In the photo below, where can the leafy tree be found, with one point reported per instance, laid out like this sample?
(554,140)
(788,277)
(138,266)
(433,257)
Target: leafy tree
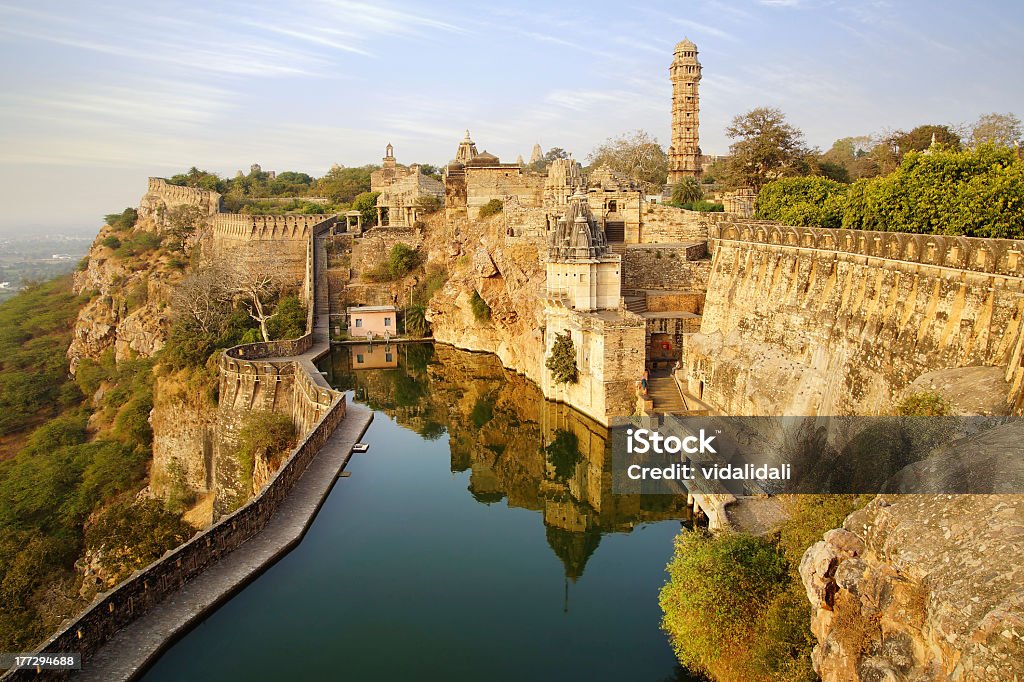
(343,185)
(133,534)
(481,311)
(636,155)
(814,201)
(687,191)
(183,222)
(267,433)
(718,589)
(977,193)
(289,320)
(431,170)
(429,204)
(125,220)
(854,155)
(767,147)
(199,179)
(996,129)
(541,165)
(366,203)
(562,361)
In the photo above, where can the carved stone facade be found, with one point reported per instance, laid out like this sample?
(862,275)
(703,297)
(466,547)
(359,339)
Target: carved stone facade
(684,156)
(404,191)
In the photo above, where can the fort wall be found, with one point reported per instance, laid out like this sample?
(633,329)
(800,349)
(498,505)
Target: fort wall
(161,196)
(821,321)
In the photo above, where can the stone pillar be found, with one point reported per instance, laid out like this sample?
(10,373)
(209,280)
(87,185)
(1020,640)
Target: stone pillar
(379,216)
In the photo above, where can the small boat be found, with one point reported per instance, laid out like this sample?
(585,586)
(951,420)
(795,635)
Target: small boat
(360,447)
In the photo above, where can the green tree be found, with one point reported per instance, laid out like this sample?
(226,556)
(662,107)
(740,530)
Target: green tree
(491,208)
(766,147)
(343,185)
(687,191)
(183,222)
(366,203)
(636,155)
(289,320)
(813,201)
(562,361)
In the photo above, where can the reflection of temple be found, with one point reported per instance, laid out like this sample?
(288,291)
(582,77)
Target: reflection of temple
(516,446)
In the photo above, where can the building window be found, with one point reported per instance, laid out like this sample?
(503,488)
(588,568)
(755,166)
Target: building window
(389,357)
(359,359)
(359,322)
(387,321)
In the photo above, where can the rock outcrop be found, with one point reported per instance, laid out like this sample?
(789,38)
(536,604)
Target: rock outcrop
(510,279)
(921,587)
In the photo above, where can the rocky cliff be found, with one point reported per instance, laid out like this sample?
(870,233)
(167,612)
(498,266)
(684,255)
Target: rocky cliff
(921,587)
(507,273)
(129,314)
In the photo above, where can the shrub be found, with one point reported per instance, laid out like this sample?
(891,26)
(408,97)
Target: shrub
(811,201)
(125,220)
(402,260)
(924,404)
(481,311)
(111,242)
(130,535)
(138,296)
(269,432)
(289,320)
(562,361)
(718,587)
(491,208)
(687,191)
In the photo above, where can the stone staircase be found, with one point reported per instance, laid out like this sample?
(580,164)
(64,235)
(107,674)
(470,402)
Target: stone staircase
(322,304)
(617,247)
(665,395)
(635,304)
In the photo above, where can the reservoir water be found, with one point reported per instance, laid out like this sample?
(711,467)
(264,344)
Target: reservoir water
(478,539)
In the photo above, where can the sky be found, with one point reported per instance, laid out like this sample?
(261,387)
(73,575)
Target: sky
(97,96)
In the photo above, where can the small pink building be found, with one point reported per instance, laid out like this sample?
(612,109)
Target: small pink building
(377,321)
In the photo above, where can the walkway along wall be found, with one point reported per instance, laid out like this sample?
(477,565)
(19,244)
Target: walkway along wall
(803,320)
(316,409)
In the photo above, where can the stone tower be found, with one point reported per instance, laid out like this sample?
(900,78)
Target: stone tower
(684,154)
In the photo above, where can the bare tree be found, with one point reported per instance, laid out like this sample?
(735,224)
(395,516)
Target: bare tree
(255,277)
(636,155)
(203,299)
(997,129)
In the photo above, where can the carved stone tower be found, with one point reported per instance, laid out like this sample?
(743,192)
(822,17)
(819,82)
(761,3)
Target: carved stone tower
(684,154)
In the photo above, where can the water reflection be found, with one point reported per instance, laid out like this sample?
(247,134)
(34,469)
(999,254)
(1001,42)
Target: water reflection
(517,447)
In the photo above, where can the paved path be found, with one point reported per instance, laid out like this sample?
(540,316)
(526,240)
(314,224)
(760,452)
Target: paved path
(139,643)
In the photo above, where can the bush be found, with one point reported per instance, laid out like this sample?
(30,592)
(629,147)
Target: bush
(481,311)
(289,320)
(111,242)
(271,433)
(719,587)
(402,260)
(130,535)
(491,208)
(810,201)
(924,404)
(562,361)
(125,220)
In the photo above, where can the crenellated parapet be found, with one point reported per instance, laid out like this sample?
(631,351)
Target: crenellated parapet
(977,254)
(268,227)
(162,196)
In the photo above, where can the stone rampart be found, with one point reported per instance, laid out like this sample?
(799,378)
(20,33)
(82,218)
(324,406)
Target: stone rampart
(803,320)
(162,196)
(668,267)
(238,226)
(661,224)
(164,577)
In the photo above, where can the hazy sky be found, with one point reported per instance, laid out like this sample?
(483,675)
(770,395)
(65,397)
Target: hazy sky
(96,96)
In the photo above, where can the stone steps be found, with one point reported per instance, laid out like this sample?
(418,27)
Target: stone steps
(635,304)
(665,395)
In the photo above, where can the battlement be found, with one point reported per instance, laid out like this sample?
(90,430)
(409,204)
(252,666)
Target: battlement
(268,227)
(976,254)
(162,195)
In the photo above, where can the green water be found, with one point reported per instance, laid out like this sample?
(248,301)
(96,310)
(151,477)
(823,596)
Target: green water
(477,540)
